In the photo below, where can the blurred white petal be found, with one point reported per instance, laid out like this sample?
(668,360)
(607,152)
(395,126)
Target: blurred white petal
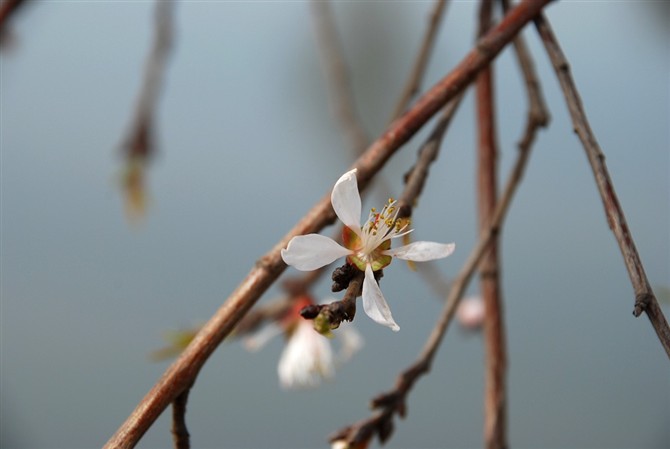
(306,360)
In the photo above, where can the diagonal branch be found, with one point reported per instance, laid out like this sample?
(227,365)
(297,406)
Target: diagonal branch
(182,373)
(645,300)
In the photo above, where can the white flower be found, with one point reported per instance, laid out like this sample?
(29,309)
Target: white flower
(308,357)
(368,247)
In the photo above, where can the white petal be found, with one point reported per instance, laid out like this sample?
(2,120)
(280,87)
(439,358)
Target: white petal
(346,201)
(374,304)
(312,251)
(306,360)
(422,251)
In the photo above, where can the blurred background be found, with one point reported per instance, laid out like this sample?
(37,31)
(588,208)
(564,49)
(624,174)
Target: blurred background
(247,144)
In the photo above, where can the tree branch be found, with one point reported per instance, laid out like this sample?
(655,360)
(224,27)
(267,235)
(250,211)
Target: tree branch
(645,300)
(495,395)
(185,369)
(180,435)
(140,145)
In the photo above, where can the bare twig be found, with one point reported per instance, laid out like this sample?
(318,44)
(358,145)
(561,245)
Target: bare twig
(413,84)
(336,71)
(645,300)
(180,435)
(182,373)
(415,178)
(495,365)
(140,144)
(329,316)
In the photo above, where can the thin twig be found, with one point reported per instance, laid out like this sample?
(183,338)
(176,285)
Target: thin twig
(183,371)
(328,317)
(495,365)
(342,96)
(415,178)
(140,145)
(538,111)
(394,401)
(645,300)
(413,84)
(180,435)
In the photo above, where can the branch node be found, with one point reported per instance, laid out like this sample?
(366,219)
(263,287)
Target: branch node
(642,300)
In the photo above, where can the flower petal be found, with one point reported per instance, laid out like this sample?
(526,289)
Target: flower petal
(422,251)
(312,251)
(374,304)
(346,201)
(306,360)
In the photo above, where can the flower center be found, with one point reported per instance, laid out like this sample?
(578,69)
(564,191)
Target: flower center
(375,238)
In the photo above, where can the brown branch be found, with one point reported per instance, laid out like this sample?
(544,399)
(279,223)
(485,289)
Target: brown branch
(180,435)
(495,365)
(184,370)
(413,84)
(645,300)
(328,317)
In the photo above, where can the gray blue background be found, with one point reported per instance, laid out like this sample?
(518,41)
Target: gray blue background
(247,145)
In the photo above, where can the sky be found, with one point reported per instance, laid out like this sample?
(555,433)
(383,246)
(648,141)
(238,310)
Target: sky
(247,144)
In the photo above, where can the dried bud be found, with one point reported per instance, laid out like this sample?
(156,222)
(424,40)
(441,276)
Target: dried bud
(310,312)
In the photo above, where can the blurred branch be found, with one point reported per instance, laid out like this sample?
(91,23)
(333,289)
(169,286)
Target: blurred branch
(415,178)
(182,373)
(538,112)
(342,95)
(645,300)
(7,9)
(140,143)
(495,364)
